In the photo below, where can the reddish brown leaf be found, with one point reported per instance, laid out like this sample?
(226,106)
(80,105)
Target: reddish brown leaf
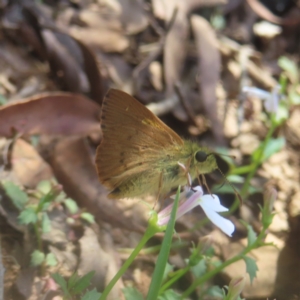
(54,113)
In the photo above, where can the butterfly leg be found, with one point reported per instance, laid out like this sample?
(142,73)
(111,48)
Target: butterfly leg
(186,172)
(205,184)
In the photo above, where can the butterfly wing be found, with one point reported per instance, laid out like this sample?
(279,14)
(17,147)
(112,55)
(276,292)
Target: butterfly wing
(133,140)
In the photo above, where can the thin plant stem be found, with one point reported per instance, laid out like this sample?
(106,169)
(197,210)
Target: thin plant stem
(257,162)
(176,277)
(150,232)
(36,227)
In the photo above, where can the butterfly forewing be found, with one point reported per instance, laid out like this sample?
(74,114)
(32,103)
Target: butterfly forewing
(133,138)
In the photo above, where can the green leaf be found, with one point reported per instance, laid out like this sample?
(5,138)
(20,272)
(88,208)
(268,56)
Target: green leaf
(91,295)
(46,224)
(73,281)
(273,146)
(34,140)
(47,199)
(282,113)
(199,269)
(215,292)
(169,268)
(28,216)
(251,234)
(251,267)
(44,186)
(294,97)
(18,197)
(169,295)
(235,179)
(3,100)
(62,283)
(71,206)
(83,283)
(37,258)
(290,68)
(131,293)
(218,22)
(87,217)
(51,260)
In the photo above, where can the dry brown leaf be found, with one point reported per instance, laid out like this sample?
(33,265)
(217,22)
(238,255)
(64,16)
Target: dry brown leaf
(175,51)
(93,257)
(27,165)
(50,113)
(107,40)
(24,282)
(71,62)
(133,16)
(119,71)
(288,20)
(103,29)
(209,71)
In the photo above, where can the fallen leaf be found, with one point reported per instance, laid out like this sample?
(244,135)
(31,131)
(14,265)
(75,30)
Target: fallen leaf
(70,60)
(209,64)
(290,19)
(27,165)
(93,258)
(50,113)
(175,51)
(24,282)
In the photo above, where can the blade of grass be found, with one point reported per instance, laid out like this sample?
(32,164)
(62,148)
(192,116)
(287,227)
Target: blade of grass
(163,256)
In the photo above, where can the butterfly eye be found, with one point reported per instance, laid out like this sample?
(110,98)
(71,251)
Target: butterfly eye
(201,156)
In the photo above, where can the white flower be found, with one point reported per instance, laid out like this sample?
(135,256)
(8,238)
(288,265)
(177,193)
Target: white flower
(271,100)
(210,205)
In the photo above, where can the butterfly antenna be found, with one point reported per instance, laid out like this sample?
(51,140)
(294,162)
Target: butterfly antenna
(234,189)
(221,185)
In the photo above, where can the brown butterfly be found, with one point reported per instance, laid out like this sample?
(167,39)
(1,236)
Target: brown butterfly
(140,155)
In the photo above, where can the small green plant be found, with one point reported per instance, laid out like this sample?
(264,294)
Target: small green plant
(34,207)
(75,288)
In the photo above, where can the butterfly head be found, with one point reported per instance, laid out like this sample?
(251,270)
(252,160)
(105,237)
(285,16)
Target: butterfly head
(205,161)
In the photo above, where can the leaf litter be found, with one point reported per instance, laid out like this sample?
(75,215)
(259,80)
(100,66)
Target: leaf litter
(56,65)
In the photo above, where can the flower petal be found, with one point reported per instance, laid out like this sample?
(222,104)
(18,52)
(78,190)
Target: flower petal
(225,225)
(212,202)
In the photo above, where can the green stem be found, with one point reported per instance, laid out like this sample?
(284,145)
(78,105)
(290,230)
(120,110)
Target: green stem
(176,277)
(36,227)
(257,162)
(150,232)
(254,166)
